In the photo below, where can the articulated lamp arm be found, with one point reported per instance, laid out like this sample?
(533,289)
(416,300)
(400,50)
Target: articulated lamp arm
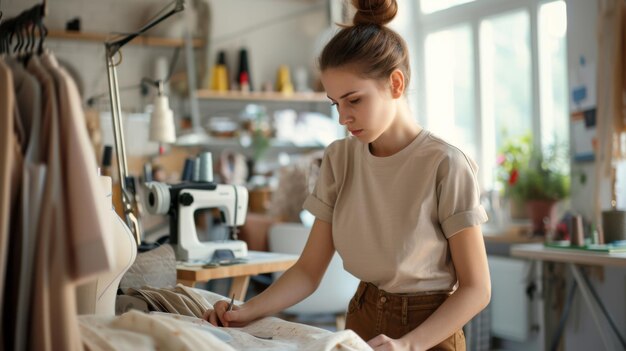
(111,49)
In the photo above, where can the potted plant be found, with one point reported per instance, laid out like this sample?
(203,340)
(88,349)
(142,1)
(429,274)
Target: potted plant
(537,179)
(512,157)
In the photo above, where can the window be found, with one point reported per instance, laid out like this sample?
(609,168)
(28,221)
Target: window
(492,70)
(429,6)
(449,74)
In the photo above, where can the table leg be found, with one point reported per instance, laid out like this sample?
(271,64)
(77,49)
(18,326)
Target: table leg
(593,308)
(189,283)
(239,287)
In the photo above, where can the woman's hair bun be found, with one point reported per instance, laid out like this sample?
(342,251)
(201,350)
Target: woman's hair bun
(378,12)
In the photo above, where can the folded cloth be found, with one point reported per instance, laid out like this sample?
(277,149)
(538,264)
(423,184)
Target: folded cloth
(155,268)
(178,300)
(135,330)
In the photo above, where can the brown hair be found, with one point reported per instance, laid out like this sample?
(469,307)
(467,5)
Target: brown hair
(373,48)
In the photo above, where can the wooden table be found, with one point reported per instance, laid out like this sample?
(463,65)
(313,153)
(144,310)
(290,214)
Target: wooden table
(258,263)
(573,258)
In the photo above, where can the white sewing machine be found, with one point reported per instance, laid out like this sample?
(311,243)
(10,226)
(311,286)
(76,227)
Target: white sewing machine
(180,201)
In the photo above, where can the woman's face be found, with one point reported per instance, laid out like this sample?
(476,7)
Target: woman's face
(365,106)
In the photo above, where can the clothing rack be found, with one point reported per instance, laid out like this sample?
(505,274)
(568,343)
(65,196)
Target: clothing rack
(20,25)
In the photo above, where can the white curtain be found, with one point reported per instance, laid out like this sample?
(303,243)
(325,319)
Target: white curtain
(611,83)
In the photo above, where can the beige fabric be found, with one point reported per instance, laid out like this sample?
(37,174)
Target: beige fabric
(156,268)
(179,300)
(7,144)
(67,247)
(177,332)
(57,315)
(28,98)
(49,217)
(611,83)
(391,216)
(97,337)
(13,242)
(88,228)
(611,95)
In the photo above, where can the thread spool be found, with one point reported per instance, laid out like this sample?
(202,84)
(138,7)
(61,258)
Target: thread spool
(196,169)
(614,225)
(188,170)
(220,78)
(577,237)
(283,80)
(206,167)
(158,200)
(244,67)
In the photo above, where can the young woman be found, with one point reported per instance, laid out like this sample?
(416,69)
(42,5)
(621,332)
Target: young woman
(400,205)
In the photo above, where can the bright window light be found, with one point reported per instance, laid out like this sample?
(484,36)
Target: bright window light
(450,107)
(430,6)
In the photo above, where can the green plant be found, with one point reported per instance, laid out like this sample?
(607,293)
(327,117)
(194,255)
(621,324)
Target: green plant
(513,156)
(529,174)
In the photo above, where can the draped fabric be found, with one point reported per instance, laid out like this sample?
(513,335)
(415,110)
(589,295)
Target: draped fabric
(611,104)
(53,232)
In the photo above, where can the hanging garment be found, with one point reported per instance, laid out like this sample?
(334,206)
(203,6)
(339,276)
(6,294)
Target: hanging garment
(41,318)
(7,100)
(88,224)
(12,168)
(28,99)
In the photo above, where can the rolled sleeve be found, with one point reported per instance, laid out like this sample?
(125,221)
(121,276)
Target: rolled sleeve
(460,221)
(458,194)
(318,208)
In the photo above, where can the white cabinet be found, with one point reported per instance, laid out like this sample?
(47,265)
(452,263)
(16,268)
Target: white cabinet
(516,305)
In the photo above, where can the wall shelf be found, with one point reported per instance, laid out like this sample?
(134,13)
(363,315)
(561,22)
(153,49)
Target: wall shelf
(140,40)
(262,96)
(235,143)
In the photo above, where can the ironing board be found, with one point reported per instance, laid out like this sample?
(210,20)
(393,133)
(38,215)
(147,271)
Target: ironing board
(258,263)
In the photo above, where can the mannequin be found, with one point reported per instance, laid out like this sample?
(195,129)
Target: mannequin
(98,296)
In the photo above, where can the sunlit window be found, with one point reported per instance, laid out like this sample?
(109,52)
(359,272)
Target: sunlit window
(486,78)
(449,87)
(429,6)
(505,65)
(553,73)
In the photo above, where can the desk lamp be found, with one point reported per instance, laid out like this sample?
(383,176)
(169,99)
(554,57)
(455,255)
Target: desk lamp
(162,128)
(112,48)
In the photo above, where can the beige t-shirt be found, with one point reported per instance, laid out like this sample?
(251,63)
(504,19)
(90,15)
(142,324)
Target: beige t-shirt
(391,216)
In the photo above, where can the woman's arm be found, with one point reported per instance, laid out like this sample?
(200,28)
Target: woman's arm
(293,286)
(473,294)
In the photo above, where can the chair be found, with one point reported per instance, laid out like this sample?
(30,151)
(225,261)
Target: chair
(337,286)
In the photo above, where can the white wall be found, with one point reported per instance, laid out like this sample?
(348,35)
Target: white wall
(581,333)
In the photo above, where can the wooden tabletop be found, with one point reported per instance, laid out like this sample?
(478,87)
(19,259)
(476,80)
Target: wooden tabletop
(258,263)
(540,252)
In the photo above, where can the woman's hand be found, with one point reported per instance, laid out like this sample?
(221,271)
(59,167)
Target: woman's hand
(219,316)
(384,343)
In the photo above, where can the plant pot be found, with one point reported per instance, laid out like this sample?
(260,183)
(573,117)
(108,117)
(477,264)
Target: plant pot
(518,209)
(542,213)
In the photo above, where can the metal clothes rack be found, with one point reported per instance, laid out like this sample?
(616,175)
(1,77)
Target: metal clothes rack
(19,25)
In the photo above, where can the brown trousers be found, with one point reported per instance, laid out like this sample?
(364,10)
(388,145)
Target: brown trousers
(372,312)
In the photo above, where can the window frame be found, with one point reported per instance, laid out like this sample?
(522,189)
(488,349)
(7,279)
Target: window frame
(471,14)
